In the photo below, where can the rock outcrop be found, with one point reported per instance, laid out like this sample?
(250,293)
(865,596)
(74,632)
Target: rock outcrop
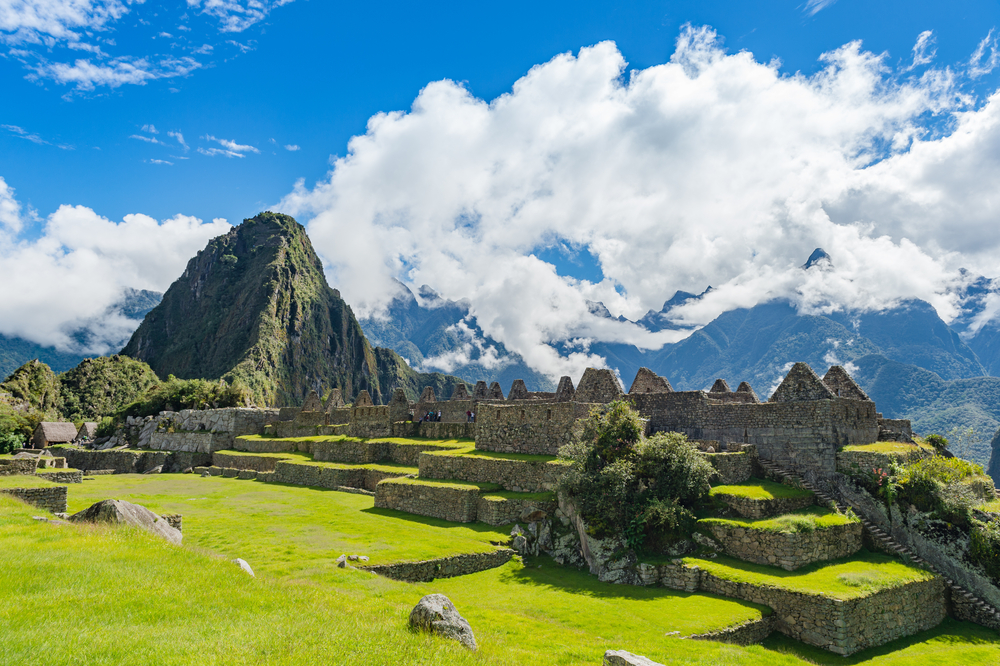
(435,613)
(125,513)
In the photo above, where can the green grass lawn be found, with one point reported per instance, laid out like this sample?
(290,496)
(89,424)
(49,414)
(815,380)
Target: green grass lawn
(848,578)
(510,494)
(286,455)
(25,481)
(78,594)
(808,519)
(286,530)
(491,488)
(471,452)
(386,466)
(759,489)
(887,447)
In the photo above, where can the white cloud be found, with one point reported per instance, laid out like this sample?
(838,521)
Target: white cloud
(154,161)
(51,21)
(814,7)
(117,72)
(150,129)
(292,147)
(237,16)
(229,148)
(980,63)
(67,278)
(179,138)
(923,53)
(710,169)
(10,209)
(147,139)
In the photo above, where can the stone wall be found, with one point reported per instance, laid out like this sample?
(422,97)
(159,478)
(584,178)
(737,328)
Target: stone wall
(267,445)
(370,451)
(675,576)
(18,466)
(442,430)
(51,499)
(76,476)
(318,476)
(504,511)
(843,627)
(751,632)
(444,567)
(132,461)
(801,435)
(370,422)
(529,428)
(764,508)
(452,411)
(237,461)
(516,475)
(788,550)
(868,460)
(226,424)
(454,504)
(732,468)
(190,442)
(901,426)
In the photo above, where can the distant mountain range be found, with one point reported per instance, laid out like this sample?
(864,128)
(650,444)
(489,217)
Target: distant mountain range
(14,352)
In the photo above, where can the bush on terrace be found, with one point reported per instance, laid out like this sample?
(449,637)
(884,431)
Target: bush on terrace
(630,487)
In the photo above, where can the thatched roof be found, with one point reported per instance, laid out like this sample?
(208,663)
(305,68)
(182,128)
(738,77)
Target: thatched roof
(54,432)
(88,429)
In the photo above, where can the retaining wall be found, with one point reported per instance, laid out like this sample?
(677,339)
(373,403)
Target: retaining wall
(843,627)
(445,567)
(237,461)
(732,468)
(266,445)
(18,466)
(371,451)
(132,461)
(866,461)
(303,474)
(516,475)
(75,476)
(748,633)
(756,508)
(504,511)
(51,499)
(190,442)
(458,505)
(529,428)
(783,549)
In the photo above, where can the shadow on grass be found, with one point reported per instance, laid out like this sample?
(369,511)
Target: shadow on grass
(501,531)
(950,633)
(544,572)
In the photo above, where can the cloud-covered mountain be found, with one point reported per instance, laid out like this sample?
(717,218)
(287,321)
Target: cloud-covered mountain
(132,307)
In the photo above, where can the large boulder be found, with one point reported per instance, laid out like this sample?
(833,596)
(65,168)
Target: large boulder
(436,613)
(623,658)
(122,512)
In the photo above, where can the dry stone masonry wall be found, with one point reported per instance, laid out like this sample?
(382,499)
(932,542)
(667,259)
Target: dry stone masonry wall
(788,550)
(50,499)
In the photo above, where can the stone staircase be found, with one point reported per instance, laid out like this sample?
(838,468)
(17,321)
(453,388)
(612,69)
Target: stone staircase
(886,542)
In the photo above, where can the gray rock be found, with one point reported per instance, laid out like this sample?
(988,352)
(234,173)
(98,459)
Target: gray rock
(436,613)
(121,512)
(188,470)
(520,544)
(623,658)
(154,470)
(243,565)
(342,561)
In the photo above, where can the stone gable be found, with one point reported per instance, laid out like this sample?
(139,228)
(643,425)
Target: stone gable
(838,381)
(801,384)
(598,385)
(647,381)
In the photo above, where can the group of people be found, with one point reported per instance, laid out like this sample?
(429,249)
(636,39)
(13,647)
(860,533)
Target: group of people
(432,416)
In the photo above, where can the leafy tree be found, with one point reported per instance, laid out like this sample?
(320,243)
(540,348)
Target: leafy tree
(629,487)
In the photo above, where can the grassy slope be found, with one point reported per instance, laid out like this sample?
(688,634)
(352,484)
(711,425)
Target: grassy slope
(840,579)
(820,517)
(758,489)
(189,605)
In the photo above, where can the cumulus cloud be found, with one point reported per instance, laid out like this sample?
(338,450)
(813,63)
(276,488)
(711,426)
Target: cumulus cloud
(713,168)
(292,147)
(66,279)
(87,75)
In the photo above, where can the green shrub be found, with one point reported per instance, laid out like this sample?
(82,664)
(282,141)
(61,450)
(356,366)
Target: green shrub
(639,490)
(796,523)
(177,394)
(947,487)
(984,547)
(106,428)
(10,441)
(939,442)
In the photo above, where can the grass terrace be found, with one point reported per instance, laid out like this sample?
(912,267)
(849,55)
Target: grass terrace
(857,576)
(759,489)
(490,488)
(295,456)
(887,447)
(807,520)
(378,467)
(511,495)
(26,481)
(190,604)
(55,470)
(471,452)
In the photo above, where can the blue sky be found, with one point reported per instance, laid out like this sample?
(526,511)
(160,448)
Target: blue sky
(527,157)
(314,72)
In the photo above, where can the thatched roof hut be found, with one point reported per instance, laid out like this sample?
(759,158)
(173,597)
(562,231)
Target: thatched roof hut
(88,430)
(51,432)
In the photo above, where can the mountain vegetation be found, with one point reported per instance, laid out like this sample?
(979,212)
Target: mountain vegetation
(254,308)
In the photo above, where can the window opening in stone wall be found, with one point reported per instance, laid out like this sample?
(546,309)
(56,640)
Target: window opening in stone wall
(522,414)
(548,415)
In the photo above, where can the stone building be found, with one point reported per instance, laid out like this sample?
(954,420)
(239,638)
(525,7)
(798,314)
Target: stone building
(52,432)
